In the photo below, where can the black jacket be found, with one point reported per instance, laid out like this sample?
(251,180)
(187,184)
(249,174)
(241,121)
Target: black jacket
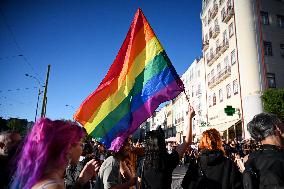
(269,161)
(219,172)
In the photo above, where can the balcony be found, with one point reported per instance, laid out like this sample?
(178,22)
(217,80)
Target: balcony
(205,45)
(210,33)
(228,15)
(223,74)
(219,77)
(211,82)
(214,11)
(214,56)
(224,46)
(218,52)
(211,59)
(216,31)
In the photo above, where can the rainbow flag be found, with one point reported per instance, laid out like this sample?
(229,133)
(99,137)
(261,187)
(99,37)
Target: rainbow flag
(139,80)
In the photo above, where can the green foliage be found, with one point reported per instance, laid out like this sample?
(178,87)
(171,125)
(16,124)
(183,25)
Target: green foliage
(18,125)
(273,102)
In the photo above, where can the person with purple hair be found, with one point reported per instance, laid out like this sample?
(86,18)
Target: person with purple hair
(48,149)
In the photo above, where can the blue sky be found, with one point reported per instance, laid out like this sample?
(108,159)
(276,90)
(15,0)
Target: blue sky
(80,40)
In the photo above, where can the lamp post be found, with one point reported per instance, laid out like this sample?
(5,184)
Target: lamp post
(39,91)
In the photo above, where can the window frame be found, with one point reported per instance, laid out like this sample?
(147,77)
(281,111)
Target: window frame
(280,20)
(271,76)
(229,91)
(231,29)
(264,18)
(233,61)
(235,87)
(268,51)
(221,96)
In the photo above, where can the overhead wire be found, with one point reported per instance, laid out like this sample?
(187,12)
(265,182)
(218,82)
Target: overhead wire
(17,44)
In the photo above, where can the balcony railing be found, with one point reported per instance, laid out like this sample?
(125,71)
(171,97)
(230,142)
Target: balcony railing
(228,15)
(219,77)
(224,46)
(205,45)
(214,11)
(218,52)
(214,56)
(216,31)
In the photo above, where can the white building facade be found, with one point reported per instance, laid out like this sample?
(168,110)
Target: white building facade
(237,50)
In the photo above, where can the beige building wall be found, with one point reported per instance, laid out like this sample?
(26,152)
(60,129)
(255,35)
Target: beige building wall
(221,65)
(251,66)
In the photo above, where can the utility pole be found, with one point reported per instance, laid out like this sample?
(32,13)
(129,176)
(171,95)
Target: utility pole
(43,109)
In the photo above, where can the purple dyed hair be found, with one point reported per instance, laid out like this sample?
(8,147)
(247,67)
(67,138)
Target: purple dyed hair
(45,149)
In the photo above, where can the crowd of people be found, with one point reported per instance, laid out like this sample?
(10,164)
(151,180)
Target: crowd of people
(59,154)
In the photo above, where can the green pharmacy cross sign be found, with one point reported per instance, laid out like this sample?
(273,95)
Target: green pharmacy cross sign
(229,110)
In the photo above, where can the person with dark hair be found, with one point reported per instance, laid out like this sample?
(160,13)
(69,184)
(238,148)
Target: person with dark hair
(48,149)
(112,170)
(9,142)
(213,170)
(158,165)
(266,163)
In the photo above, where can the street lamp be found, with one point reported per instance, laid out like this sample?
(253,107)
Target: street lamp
(39,91)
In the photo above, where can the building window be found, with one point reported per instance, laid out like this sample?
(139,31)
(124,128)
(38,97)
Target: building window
(267,48)
(214,99)
(212,73)
(225,36)
(216,22)
(233,57)
(229,92)
(231,29)
(207,56)
(205,21)
(218,68)
(282,50)
(217,43)
(209,100)
(235,87)
(271,80)
(264,18)
(223,13)
(226,62)
(280,21)
(221,95)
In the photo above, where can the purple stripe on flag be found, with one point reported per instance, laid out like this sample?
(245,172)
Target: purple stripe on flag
(146,110)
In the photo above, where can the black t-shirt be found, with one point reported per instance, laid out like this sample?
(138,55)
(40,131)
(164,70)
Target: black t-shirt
(161,179)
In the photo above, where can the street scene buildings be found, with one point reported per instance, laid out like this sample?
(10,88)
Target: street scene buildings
(242,55)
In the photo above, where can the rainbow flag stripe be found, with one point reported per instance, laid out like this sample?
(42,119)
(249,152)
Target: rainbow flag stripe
(139,80)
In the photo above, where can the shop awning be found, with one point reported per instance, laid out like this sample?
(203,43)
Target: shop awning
(225,125)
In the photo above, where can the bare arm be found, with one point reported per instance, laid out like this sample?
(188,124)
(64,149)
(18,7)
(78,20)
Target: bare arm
(188,138)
